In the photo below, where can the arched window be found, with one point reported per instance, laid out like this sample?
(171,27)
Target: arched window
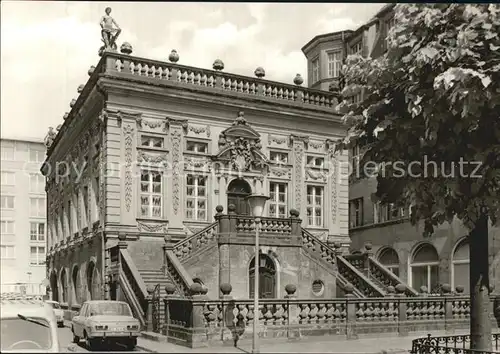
(237,191)
(460,265)
(64,286)
(424,267)
(75,279)
(389,258)
(267,277)
(90,275)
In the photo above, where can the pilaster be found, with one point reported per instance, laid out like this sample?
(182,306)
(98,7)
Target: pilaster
(298,149)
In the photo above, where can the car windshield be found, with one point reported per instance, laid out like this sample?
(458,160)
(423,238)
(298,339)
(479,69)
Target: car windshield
(25,334)
(54,305)
(110,308)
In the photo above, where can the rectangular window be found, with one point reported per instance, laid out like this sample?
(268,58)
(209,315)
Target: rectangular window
(356,212)
(334,64)
(278,156)
(7,227)
(197,146)
(314,206)
(85,205)
(37,255)
(7,252)
(70,221)
(151,141)
(36,155)
(7,202)
(8,151)
(77,207)
(357,48)
(315,161)
(196,197)
(278,202)
(37,207)
(8,178)
(37,231)
(315,70)
(355,159)
(151,194)
(37,183)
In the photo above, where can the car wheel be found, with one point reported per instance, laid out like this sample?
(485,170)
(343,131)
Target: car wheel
(89,343)
(76,339)
(131,344)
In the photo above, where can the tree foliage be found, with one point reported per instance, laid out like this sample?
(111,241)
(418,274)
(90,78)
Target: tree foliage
(434,93)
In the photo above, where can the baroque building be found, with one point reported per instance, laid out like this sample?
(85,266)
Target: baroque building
(391,239)
(23,227)
(147,179)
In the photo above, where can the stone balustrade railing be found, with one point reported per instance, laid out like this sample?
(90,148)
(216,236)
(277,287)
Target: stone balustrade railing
(246,224)
(158,72)
(198,321)
(194,243)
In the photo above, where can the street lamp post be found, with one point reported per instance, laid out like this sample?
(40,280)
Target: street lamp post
(257,204)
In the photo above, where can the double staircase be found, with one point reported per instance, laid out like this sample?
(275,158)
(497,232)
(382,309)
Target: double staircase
(359,274)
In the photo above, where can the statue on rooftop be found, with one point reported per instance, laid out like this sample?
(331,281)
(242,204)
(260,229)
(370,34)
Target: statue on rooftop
(108,32)
(49,138)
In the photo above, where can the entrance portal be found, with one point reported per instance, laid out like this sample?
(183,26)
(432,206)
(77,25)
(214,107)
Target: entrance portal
(237,191)
(267,277)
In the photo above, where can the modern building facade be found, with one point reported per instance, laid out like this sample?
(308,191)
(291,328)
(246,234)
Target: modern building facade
(441,259)
(23,210)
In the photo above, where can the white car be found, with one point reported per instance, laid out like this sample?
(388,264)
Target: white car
(28,326)
(58,311)
(101,321)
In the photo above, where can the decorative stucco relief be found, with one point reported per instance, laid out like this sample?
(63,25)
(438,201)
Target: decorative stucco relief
(191,163)
(151,157)
(298,149)
(280,172)
(318,176)
(224,256)
(128,132)
(334,180)
(277,140)
(176,157)
(152,124)
(199,130)
(316,145)
(149,227)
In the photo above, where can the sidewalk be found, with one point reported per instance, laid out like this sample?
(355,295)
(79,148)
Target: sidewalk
(386,345)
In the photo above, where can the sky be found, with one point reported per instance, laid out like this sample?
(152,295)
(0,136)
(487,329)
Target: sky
(48,47)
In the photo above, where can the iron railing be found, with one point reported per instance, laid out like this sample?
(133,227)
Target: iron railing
(459,344)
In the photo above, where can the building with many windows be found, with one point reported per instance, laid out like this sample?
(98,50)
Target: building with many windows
(400,247)
(23,210)
(148,176)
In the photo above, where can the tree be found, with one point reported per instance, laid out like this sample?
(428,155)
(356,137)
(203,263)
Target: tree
(435,96)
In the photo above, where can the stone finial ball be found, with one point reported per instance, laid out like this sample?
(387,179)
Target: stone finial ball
(349,289)
(260,72)
(170,288)
(231,208)
(204,290)
(400,289)
(122,236)
(298,80)
(150,289)
(459,289)
(446,288)
(333,87)
(218,65)
(368,246)
(126,48)
(195,288)
(174,56)
(337,245)
(226,288)
(66,115)
(423,289)
(219,209)
(391,289)
(294,213)
(72,103)
(80,88)
(290,289)
(91,70)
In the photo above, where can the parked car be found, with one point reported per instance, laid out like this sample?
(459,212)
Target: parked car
(28,326)
(101,321)
(58,311)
